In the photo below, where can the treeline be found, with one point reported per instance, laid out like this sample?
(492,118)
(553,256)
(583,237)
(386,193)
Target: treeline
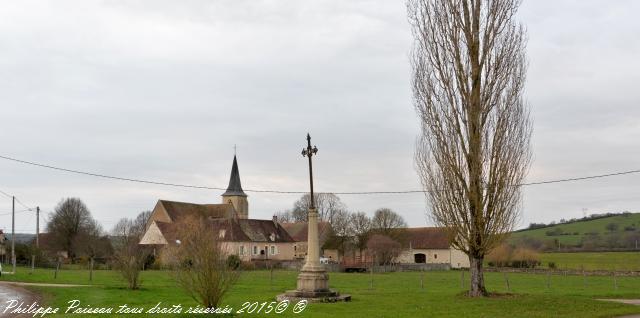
(591,241)
(73,236)
(595,216)
(383,235)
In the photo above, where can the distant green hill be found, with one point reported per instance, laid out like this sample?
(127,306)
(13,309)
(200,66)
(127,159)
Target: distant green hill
(615,231)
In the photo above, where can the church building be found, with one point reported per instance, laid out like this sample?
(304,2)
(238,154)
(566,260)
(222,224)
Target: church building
(250,239)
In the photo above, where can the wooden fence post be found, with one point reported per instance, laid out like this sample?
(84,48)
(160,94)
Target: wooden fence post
(371,274)
(462,278)
(55,275)
(422,278)
(584,278)
(506,280)
(271,275)
(548,280)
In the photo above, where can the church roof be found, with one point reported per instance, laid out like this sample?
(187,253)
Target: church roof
(179,210)
(251,230)
(234,188)
(235,230)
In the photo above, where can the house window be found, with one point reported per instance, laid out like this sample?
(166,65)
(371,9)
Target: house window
(222,233)
(241,249)
(273,250)
(435,256)
(255,250)
(295,248)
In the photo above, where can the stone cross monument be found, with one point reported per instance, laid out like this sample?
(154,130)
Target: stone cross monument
(313,281)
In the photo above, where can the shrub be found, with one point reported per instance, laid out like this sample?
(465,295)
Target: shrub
(612,227)
(552,265)
(554,232)
(524,258)
(247,266)
(233,261)
(536,225)
(500,256)
(199,263)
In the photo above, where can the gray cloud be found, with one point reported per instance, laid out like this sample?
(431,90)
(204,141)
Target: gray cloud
(163,90)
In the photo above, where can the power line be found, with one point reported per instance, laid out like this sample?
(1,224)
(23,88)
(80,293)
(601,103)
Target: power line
(24,205)
(9,213)
(17,200)
(6,194)
(179,185)
(581,178)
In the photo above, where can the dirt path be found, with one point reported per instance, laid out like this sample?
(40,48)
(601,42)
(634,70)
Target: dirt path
(626,301)
(10,291)
(43,284)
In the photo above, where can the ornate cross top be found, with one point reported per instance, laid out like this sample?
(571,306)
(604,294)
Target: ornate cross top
(309,152)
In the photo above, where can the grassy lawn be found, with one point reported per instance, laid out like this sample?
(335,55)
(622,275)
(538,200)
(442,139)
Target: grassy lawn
(621,261)
(393,295)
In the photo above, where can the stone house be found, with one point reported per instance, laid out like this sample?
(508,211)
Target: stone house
(430,245)
(299,232)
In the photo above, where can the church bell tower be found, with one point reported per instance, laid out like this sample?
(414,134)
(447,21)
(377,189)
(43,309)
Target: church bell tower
(234,194)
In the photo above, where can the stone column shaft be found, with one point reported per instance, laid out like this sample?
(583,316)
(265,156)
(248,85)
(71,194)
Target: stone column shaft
(313,244)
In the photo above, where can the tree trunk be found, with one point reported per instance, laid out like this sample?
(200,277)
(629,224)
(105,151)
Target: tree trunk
(476,288)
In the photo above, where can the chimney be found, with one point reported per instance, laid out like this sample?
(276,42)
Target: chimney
(275,220)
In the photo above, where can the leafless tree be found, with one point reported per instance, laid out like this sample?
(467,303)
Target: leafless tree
(70,219)
(384,248)
(200,263)
(327,204)
(284,216)
(129,256)
(361,229)
(386,219)
(469,68)
(93,243)
(341,230)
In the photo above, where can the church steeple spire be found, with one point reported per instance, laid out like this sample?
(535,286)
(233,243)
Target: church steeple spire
(235,187)
(234,194)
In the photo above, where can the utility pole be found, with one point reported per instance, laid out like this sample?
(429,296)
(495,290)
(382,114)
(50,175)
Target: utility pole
(13,233)
(37,227)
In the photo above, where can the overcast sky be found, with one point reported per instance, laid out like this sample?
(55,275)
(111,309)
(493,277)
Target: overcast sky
(162,90)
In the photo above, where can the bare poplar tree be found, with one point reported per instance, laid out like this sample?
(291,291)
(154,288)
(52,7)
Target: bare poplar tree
(469,68)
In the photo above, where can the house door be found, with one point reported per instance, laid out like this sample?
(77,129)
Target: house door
(420,258)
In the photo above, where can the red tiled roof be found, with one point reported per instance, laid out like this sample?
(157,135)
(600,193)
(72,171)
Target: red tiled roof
(428,238)
(300,230)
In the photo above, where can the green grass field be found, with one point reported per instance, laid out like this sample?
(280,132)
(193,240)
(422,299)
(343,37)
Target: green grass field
(608,261)
(393,294)
(581,227)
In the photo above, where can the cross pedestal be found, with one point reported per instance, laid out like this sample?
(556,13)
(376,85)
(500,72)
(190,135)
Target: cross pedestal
(313,280)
